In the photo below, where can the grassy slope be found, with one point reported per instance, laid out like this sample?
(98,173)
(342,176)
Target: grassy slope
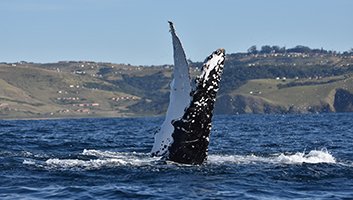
(302,96)
(33,92)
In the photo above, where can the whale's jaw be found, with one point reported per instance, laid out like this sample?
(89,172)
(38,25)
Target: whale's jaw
(192,131)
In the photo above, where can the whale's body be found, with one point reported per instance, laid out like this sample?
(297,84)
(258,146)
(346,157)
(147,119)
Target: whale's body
(192,131)
(184,135)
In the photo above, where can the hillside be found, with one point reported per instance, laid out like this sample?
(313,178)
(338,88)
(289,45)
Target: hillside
(252,83)
(331,94)
(29,90)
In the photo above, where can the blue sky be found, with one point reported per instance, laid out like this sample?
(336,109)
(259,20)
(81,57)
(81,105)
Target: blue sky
(136,31)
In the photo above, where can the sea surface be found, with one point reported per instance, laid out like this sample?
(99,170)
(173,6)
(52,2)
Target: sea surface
(250,157)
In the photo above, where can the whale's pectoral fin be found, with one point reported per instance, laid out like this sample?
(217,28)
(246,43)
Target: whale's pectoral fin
(179,97)
(192,131)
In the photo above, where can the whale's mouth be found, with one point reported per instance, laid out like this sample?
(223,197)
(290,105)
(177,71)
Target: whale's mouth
(212,62)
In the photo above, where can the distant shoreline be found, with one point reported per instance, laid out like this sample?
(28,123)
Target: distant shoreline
(151,116)
(314,81)
(71,117)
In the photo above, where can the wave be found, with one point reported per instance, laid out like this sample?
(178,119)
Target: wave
(313,157)
(108,159)
(104,159)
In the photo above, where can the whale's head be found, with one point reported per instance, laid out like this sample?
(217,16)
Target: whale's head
(212,68)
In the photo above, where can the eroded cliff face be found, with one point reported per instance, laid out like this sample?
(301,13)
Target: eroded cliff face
(340,100)
(343,101)
(241,104)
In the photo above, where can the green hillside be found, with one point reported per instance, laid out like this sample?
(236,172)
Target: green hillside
(305,95)
(272,82)
(32,91)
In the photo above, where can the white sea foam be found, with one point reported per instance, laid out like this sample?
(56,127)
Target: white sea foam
(115,159)
(29,162)
(104,159)
(90,164)
(313,157)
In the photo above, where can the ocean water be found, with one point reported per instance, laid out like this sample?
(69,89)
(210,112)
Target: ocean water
(250,157)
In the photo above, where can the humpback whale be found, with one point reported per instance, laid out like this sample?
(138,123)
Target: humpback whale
(184,135)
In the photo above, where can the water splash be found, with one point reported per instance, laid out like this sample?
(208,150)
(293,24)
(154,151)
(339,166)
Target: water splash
(90,164)
(313,157)
(109,159)
(104,159)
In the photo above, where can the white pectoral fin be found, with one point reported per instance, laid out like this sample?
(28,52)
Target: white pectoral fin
(179,98)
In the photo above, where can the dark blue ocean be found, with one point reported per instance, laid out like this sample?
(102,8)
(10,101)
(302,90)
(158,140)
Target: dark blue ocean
(250,157)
